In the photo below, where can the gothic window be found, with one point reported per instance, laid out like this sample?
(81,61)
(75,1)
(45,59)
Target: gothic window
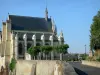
(28,45)
(20,48)
(38,44)
(46,44)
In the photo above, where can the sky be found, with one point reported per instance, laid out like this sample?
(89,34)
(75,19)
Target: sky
(74,17)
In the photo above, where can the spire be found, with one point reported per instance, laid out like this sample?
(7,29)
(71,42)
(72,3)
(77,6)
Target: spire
(61,33)
(8,16)
(46,12)
(53,26)
(61,38)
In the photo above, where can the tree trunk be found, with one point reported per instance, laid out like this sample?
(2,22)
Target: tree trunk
(31,57)
(34,57)
(43,56)
(52,55)
(61,58)
(37,56)
(40,55)
(46,56)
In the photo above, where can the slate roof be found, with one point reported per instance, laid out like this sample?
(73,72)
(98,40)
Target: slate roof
(30,23)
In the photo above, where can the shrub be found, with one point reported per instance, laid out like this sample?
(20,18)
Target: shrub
(83,56)
(61,48)
(98,58)
(46,49)
(34,50)
(12,64)
(90,59)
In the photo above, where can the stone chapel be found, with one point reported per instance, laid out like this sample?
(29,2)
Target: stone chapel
(21,32)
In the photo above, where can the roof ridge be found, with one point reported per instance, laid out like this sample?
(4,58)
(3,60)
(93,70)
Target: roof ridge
(27,16)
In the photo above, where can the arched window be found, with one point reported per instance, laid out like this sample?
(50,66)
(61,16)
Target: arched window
(38,44)
(46,44)
(20,49)
(28,46)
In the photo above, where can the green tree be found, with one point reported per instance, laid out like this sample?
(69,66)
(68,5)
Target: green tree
(65,47)
(62,49)
(33,51)
(83,56)
(46,50)
(36,50)
(95,34)
(30,51)
(12,65)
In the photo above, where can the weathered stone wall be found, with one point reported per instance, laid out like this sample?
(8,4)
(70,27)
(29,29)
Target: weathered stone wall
(91,63)
(2,62)
(4,32)
(43,67)
(8,41)
(0,49)
(25,67)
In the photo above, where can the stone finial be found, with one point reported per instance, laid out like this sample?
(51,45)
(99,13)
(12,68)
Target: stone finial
(25,36)
(34,37)
(8,16)
(61,33)
(53,26)
(16,36)
(60,37)
(42,37)
(51,37)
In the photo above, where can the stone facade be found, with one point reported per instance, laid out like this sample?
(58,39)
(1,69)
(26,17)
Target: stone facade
(12,43)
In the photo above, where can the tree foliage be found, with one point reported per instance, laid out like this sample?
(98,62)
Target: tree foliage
(12,64)
(48,49)
(95,32)
(33,51)
(62,48)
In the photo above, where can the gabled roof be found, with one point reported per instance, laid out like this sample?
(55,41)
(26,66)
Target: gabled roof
(30,23)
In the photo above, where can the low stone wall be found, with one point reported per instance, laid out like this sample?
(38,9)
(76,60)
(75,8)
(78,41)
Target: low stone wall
(44,67)
(91,63)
